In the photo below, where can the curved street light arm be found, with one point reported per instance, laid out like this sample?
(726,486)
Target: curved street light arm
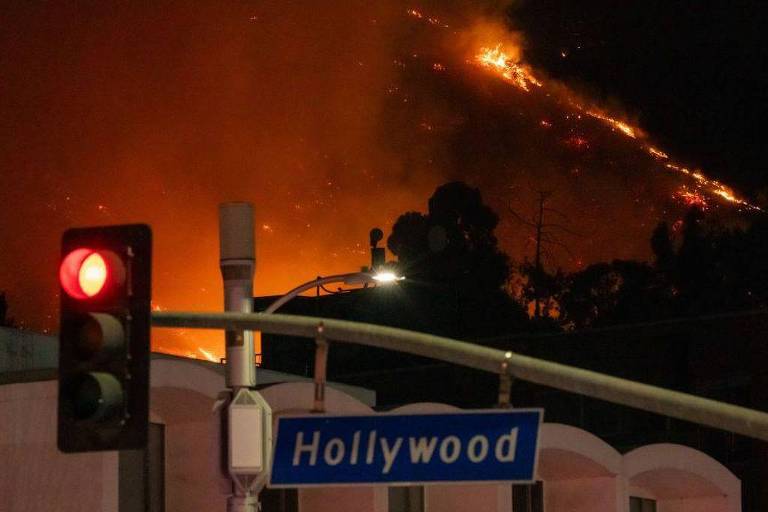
(350,278)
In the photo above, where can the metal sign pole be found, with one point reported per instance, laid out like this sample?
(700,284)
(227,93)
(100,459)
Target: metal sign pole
(237,262)
(248,416)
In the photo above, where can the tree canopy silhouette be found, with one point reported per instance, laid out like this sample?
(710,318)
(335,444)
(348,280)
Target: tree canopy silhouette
(706,268)
(454,267)
(453,243)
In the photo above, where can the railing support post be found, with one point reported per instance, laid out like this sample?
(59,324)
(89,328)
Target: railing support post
(321,365)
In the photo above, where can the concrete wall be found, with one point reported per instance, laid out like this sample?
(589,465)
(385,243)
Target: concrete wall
(34,475)
(465,498)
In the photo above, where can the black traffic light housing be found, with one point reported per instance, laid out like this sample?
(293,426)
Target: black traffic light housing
(105,278)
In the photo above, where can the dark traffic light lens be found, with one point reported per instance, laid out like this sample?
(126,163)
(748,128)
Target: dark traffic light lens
(99,332)
(96,396)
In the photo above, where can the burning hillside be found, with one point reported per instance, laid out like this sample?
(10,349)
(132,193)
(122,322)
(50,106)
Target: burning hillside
(520,76)
(330,120)
(477,112)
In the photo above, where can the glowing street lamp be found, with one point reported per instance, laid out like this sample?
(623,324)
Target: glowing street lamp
(386,277)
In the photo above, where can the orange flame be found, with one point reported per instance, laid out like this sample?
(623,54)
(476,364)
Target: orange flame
(657,153)
(500,62)
(629,131)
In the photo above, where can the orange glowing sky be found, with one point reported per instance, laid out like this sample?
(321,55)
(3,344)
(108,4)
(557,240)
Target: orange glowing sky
(330,119)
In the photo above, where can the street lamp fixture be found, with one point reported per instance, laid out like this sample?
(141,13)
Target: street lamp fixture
(386,277)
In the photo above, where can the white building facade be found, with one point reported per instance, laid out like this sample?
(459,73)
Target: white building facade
(576,470)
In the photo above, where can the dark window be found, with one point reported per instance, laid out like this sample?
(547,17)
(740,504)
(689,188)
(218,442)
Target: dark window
(641,504)
(406,499)
(528,497)
(279,500)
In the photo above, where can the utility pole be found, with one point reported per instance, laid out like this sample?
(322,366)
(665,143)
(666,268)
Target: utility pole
(248,416)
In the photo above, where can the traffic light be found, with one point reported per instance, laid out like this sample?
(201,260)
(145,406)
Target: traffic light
(104,338)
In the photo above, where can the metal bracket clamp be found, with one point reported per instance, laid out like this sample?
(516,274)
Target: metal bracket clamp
(321,364)
(248,503)
(505,383)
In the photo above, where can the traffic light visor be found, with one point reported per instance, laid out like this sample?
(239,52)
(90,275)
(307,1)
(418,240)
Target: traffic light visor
(84,273)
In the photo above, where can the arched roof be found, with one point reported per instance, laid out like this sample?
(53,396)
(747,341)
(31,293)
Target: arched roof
(677,471)
(567,452)
(424,407)
(186,374)
(182,390)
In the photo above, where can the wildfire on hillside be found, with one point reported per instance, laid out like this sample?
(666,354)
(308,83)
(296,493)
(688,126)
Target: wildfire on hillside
(521,76)
(350,120)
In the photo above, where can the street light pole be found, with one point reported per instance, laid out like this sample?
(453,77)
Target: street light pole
(237,262)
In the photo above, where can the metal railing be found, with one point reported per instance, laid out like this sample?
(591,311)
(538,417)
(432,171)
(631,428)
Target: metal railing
(683,406)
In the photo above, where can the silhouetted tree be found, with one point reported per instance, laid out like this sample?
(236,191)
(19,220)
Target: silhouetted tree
(719,268)
(454,267)
(454,243)
(663,248)
(5,320)
(532,283)
(713,269)
(612,293)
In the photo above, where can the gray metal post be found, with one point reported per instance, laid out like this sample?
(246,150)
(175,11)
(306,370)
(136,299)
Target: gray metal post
(237,261)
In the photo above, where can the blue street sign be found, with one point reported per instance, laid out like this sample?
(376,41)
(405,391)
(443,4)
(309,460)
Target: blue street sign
(465,446)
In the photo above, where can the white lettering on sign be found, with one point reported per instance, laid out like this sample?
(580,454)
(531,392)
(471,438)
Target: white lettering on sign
(355,446)
(390,453)
(311,448)
(371,447)
(506,447)
(450,449)
(336,445)
(472,449)
(420,449)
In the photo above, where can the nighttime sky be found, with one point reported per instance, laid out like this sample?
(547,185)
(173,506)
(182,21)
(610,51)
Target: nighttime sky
(338,117)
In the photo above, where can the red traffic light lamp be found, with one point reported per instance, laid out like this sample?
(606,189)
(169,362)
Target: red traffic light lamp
(104,338)
(85,273)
